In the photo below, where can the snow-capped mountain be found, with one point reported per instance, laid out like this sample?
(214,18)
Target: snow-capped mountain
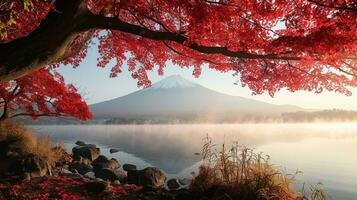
(174,81)
(176,96)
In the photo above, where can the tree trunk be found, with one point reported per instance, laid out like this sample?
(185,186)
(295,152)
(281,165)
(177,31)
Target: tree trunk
(45,45)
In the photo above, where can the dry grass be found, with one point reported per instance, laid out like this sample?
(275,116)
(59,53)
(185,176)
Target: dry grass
(15,137)
(241,174)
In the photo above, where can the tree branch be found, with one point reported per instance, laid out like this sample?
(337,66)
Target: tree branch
(102,22)
(182,54)
(334,7)
(46,44)
(38,115)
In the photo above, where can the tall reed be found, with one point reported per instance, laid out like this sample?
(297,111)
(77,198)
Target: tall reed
(237,172)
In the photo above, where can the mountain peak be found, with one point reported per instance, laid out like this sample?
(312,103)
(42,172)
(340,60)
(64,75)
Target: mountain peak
(174,81)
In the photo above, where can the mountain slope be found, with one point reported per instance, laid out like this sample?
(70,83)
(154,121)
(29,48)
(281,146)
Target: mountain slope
(176,96)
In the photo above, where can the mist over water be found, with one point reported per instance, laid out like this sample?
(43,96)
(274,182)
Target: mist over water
(324,152)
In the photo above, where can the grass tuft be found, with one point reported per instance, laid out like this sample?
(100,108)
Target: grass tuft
(15,137)
(239,173)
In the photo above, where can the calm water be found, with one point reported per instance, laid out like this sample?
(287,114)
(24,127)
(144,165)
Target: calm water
(326,153)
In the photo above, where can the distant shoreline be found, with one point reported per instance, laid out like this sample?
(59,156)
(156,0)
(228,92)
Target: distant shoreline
(245,123)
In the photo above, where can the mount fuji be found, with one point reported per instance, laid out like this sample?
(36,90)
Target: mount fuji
(175,97)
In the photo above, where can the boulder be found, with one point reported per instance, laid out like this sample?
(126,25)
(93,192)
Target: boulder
(90,175)
(111,175)
(149,177)
(173,184)
(116,183)
(80,167)
(89,151)
(113,164)
(102,162)
(113,151)
(30,166)
(129,167)
(185,181)
(84,160)
(63,170)
(80,143)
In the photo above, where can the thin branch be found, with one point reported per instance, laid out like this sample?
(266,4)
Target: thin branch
(334,7)
(179,53)
(346,72)
(350,66)
(14,90)
(299,69)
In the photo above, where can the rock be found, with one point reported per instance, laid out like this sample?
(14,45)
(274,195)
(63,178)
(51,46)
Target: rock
(71,175)
(62,156)
(111,174)
(64,170)
(90,175)
(32,165)
(173,184)
(80,143)
(113,151)
(89,151)
(100,159)
(102,162)
(84,161)
(185,181)
(27,176)
(80,167)
(116,183)
(98,179)
(99,163)
(96,187)
(148,177)
(129,167)
(113,164)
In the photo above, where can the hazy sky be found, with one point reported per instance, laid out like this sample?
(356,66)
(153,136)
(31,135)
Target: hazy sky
(96,86)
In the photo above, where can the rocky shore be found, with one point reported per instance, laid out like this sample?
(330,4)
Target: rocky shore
(84,174)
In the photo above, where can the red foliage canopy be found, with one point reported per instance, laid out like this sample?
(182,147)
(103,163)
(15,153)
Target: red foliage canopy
(272,44)
(42,93)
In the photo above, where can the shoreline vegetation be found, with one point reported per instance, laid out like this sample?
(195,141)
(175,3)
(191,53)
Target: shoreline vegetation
(324,116)
(34,168)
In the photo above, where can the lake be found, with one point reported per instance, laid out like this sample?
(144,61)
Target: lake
(326,153)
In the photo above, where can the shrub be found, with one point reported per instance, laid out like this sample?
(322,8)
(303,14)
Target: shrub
(15,137)
(241,174)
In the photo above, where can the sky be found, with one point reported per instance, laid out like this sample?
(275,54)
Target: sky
(96,86)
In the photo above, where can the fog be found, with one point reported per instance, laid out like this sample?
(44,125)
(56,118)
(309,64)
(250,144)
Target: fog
(323,151)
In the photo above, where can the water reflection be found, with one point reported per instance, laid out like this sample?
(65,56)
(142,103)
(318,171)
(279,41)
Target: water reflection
(325,152)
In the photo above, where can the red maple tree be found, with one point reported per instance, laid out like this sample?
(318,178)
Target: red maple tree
(42,93)
(272,44)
